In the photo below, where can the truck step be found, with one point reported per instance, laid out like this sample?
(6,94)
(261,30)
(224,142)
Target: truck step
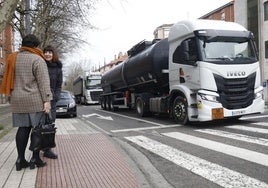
(194,116)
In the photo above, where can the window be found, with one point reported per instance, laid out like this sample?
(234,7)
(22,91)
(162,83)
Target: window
(186,52)
(265,10)
(223,16)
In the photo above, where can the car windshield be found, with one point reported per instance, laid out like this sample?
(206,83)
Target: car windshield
(65,95)
(228,50)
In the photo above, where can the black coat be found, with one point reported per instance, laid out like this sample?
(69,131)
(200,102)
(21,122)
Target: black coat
(55,75)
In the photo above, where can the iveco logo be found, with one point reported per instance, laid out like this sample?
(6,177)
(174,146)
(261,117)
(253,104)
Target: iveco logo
(236,73)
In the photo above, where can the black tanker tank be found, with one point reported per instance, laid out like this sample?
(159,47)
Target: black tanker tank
(143,71)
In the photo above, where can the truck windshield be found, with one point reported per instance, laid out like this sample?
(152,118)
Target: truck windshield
(227,50)
(93,83)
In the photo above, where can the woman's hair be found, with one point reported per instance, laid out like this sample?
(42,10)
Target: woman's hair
(30,41)
(49,48)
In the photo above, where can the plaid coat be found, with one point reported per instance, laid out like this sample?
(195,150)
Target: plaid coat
(31,84)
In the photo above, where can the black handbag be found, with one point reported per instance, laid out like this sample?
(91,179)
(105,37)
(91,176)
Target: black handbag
(43,135)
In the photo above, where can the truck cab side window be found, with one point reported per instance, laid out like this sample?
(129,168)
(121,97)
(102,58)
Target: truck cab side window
(186,52)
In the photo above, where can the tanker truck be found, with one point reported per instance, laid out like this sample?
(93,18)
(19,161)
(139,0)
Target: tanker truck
(205,70)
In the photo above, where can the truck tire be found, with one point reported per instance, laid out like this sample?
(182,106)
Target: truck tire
(179,110)
(141,109)
(113,108)
(102,103)
(108,102)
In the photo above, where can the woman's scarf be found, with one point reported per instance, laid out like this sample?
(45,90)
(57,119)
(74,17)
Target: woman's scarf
(8,79)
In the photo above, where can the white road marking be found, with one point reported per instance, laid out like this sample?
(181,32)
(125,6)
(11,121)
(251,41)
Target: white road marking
(145,128)
(98,116)
(246,128)
(261,123)
(213,172)
(241,137)
(241,153)
(137,119)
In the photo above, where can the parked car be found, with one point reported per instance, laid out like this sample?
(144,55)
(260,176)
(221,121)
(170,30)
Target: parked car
(66,105)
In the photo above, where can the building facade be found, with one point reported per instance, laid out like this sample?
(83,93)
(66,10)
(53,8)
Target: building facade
(6,43)
(162,31)
(117,60)
(225,12)
(6,47)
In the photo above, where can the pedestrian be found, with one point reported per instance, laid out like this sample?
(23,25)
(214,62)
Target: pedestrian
(55,74)
(26,81)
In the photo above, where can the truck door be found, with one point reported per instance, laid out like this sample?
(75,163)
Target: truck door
(184,67)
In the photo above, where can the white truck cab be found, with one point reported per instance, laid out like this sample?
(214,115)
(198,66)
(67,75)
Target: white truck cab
(214,69)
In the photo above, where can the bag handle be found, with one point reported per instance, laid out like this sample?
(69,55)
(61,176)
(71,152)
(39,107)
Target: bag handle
(47,118)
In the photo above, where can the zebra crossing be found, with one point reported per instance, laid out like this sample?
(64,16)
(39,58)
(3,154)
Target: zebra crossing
(224,176)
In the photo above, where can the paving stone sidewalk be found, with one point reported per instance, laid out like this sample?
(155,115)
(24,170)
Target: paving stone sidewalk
(87,159)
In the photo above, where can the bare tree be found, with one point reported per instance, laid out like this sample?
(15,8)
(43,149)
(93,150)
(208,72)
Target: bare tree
(56,22)
(7,9)
(77,69)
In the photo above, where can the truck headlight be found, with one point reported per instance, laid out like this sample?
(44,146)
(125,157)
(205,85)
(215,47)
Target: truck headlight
(207,97)
(259,94)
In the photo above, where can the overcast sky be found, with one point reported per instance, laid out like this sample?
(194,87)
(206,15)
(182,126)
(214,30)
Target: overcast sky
(124,23)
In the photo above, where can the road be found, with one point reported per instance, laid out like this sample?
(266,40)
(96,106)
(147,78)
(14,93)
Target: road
(211,154)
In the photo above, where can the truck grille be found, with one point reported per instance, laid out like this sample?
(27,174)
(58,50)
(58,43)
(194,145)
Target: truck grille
(235,93)
(95,95)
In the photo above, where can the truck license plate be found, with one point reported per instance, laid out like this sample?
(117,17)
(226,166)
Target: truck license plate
(238,113)
(217,113)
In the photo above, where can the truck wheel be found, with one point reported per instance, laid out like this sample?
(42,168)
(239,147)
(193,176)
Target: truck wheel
(180,112)
(108,102)
(113,108)
(141,108)
(102,103)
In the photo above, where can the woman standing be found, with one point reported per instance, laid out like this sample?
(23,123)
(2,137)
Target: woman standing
(26,81)
(55,75)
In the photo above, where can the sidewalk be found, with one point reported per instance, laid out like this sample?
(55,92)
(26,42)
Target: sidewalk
(87,159)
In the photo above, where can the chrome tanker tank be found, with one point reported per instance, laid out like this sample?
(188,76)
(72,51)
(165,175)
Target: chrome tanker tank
(143,71)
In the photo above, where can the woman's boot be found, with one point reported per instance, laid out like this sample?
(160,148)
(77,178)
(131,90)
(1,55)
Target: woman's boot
(50,154)
(36,161)
(21,143)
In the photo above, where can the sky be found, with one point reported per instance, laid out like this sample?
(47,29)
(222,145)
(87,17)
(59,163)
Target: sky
(124,23)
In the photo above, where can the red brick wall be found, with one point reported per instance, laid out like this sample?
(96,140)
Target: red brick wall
(6,42)
(226,10)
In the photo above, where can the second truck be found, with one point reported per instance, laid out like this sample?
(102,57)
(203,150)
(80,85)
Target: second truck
(204,70)
(87,88)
